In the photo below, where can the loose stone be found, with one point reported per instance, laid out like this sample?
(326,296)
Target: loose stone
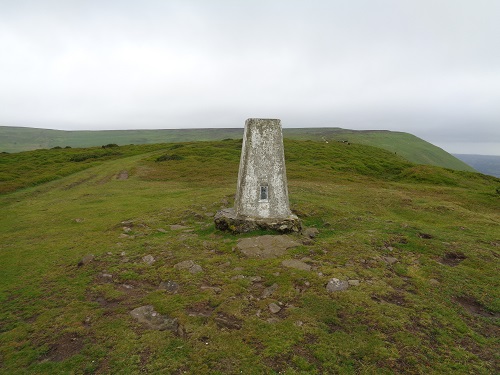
(274,308)
(335,285)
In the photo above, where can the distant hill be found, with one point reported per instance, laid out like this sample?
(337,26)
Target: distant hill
(408,146)
(487,164)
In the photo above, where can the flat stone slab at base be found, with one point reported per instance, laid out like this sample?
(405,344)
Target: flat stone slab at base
(266,247)
(227,220)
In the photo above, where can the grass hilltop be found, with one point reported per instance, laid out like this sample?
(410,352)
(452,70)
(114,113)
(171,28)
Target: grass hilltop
(89,235)
(414,149)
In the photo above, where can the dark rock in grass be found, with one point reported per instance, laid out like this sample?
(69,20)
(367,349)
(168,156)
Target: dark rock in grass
(310,232)
(335,285)
(169,286)
(86,260)
(148,316)
(269,290)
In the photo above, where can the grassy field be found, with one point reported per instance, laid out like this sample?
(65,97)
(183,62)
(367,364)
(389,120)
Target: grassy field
(423,242)
(412,148)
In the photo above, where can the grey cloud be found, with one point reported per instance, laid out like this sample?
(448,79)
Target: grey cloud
(429,68)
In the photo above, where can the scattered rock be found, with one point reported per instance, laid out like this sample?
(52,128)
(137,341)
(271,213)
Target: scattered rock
(78,220)
(127,229)
(353,282)
(189,265)
(274,308)
(161,230)
(106,276)
(296,264)
(389,260)
(267,246)
(147,315)
(299,323)
(310,232)
(255,279)
(123,235)
(86,260)
(148,259)
(269,290)
(434,282)
(335,285)
(169,286)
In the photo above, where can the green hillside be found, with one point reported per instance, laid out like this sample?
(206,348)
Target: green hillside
(419,244)
(412,148)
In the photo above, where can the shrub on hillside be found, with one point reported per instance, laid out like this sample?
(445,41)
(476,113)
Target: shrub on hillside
(96,155)
(110,145)
(169,157)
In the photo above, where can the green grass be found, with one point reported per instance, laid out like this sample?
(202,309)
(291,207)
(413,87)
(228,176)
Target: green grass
(415,316)
(414,149)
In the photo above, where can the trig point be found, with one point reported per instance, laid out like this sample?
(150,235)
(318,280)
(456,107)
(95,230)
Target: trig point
(262,193)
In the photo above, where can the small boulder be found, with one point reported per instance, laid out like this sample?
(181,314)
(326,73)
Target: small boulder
(189,265)
(169,286)
(148,259)
(148,316)
(274,308)
(335,285)
(86,260)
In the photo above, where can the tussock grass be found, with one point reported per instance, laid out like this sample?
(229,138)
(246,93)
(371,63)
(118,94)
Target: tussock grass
(430,311)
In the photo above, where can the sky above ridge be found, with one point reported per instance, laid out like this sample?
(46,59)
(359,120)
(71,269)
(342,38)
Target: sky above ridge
(427,67)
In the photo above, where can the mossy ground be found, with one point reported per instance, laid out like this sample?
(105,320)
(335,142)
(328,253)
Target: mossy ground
(434,310)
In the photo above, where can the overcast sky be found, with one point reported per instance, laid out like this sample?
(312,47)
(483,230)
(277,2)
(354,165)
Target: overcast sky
(427,67)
